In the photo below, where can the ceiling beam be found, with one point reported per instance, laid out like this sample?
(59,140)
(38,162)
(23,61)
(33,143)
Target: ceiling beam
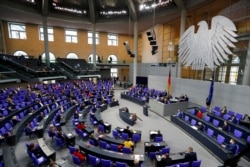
(132,9)
(92,11)
(180,4)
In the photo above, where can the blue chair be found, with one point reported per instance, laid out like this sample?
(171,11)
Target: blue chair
(60,143)
(126,150)
(77,160)
(121,164)
(186,118)
(185,164)
(193,122)
(192,111)
(93,160)
(71,149)
(207,118)
(114,147)
(236,152)
(38,161)
(101,128)
(196,163)
(106,163)
(83,134)
(124,136)
(1,164)
(103,144)
(92,142)
(220,139)
(216,122)
(210,132)
(226,117)
(136,137)
(231,113)
(237,133)
(115,134)
(151,155)
(158,139)
(165,150)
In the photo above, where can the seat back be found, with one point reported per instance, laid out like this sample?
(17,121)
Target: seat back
(121,164)
(93,160)
(207,118)
(106,163)
(216,122)
(103,144)
(114,147)
(216,108)
(237,133)
(220,139)
(158,139)
(101,128)
(115,134)
(210,132)
(186,118)
(124,136)
(71,149)
(126,150)
(136,137)
(196,163)
(165,150)
(226,117)
(239,116)
(76,160)
(192,111)
(193,122)
(231,113)
(185,164)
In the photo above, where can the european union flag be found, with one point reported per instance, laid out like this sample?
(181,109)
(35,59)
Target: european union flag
(211,91)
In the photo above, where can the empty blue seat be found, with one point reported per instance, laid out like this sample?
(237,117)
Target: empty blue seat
(237,133)
(193,122)
(220,139)
(216,122)
(210,132)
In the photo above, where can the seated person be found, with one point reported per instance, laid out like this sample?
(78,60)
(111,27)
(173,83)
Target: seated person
(200,126)
(52,129)
(76,115)
(199,114)
(128,131)
(58,118)
(79,154)
(29,130)
(81,126)
(136,163)
(15,120)
(179,113)
(165,160)
(224,127)
(92,137)
(126,109)
(40,117)
(190,156)
(230,146)
(133,117)
(36,150)
(152,148)
(61,136)
(158,134)
(223,110)
(246,118)
(128,143)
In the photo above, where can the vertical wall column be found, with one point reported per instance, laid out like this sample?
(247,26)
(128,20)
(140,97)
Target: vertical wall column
(246,76)
(46,40)
(182,29)
(94,44)
(135,52)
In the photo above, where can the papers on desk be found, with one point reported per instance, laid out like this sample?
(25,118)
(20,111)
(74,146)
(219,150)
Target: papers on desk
(69,134)
(121,129)
(157,144)
(136,157)
(194,127)
(80,115)
(106,124)
(45,117)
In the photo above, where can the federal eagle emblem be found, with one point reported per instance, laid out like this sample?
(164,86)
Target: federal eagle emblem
(207,47)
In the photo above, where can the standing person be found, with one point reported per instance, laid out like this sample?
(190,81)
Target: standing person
(190,156)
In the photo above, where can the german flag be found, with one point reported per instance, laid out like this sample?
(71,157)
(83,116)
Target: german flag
(169,81)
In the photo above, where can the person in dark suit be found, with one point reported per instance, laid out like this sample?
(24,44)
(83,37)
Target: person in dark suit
(230,146)
(224,127)
(128,131)
(190,156)
(165,160)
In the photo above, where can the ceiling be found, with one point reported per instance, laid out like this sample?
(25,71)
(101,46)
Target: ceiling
(117,16)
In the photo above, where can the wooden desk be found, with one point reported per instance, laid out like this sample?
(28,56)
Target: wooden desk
(49,152)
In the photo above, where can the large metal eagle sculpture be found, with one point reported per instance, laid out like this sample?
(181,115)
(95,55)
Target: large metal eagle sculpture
(207,47)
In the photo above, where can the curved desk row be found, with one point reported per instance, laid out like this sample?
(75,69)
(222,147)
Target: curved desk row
(126,117)
(228,135)
(111,140)
(132,99)
(68,113)
(110,155)
(221,153)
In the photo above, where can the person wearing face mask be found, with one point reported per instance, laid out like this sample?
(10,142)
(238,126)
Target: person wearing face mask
(230,146)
